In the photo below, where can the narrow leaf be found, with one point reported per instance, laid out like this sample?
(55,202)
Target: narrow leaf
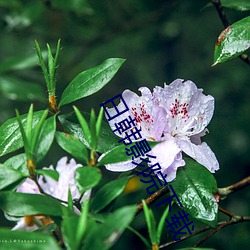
(161,224)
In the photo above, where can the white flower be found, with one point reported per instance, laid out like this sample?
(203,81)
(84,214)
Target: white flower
(176,116)
(58,189)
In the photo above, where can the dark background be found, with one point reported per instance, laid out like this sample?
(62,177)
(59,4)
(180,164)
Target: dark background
(161,41)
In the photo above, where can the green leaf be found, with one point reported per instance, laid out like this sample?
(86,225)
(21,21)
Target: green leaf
(16,240)
(8,176)
(87,177)
(107,139)
(99,123)
(19,90)
(46,137)
(161,224)
(92,127)
(150,219)
(73,146)
(194,187)
(118,154)
(20,204)
(10,136)
(104,236)
(53,174)
(84,125)
(90,81)
(241,5)
(18,162)
(69,230)
(233,41)
(108,193)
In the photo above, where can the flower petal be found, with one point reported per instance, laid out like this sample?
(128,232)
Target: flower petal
(201,153)
(168,155)
(189,110)
(29,187)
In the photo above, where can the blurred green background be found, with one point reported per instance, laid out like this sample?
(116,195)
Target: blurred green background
(161,41)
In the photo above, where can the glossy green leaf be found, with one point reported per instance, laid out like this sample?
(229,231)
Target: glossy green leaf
(241,5)
(118,154)
(10,136)
(104,236)
(19,90)
(46,138)
(233,41)
(87,177)
(53,174)
(194,187)
(18,162)
(20,204)
(90,81)
(9,175)
(107,139)
(16,240)
(108,193)
(73,146)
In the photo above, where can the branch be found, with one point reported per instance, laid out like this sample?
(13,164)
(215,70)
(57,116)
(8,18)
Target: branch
(226,23)
(235,220)
(152,198)
(223,192)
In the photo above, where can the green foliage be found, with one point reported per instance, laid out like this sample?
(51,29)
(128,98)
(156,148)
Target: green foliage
(10,136)
(90,81)
(30,204)
(107,139)
(108,193)
(195,186)
(110,230)
(87,177)
(17,240)
(12,174)
(233,41)
(241,5)
(73,146)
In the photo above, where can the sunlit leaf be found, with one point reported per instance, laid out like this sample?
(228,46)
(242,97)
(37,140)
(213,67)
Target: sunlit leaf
(90,81)
(233,41)
(195,187)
